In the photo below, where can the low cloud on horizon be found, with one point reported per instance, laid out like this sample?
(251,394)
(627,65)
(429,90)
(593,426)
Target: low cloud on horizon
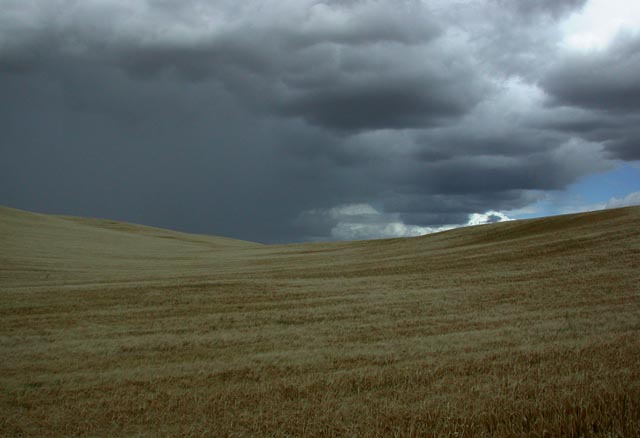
(280,121)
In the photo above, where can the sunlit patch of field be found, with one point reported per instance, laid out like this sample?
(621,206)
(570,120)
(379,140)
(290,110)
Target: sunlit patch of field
(527,328)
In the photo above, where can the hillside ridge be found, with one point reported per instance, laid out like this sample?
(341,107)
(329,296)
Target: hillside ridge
(520,228)
(40,248)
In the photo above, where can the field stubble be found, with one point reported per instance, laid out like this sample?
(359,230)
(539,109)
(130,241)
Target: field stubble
(515,329)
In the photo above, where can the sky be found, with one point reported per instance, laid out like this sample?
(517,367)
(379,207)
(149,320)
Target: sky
(308,120)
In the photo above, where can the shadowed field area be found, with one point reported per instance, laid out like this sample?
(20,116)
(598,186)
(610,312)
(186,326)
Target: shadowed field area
(526,328)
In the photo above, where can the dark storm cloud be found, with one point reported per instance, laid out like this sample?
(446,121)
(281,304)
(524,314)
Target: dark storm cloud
(605,87)
(555,8)
(439,145)
(627,145)
(283,120)
(617,131)
(442,209)
(492,174)
(352,68)
(385,103)
(364,23)
(605,81)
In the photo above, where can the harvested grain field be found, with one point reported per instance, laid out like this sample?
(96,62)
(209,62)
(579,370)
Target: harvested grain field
(524,328)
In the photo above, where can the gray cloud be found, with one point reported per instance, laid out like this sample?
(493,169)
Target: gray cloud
(545,171)
(264,120)
(603,88)
(386,102)
(605,81)
(626,144)
(553,8)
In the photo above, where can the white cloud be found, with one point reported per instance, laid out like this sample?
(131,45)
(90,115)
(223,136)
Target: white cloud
(362,231)
(595,26)
(627,201)
(489,217)
(362,222)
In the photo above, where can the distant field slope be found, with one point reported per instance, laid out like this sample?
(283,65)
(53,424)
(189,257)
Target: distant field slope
(524,328)
(38,248)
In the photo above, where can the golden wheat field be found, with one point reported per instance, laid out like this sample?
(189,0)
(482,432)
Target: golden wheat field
(524,328)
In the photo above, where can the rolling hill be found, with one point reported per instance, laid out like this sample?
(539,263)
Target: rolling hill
(512,329)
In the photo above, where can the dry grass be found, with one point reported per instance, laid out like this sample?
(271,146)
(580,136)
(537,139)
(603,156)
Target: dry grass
(516,329)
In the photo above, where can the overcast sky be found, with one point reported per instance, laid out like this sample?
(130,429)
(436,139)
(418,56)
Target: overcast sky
(292,120)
